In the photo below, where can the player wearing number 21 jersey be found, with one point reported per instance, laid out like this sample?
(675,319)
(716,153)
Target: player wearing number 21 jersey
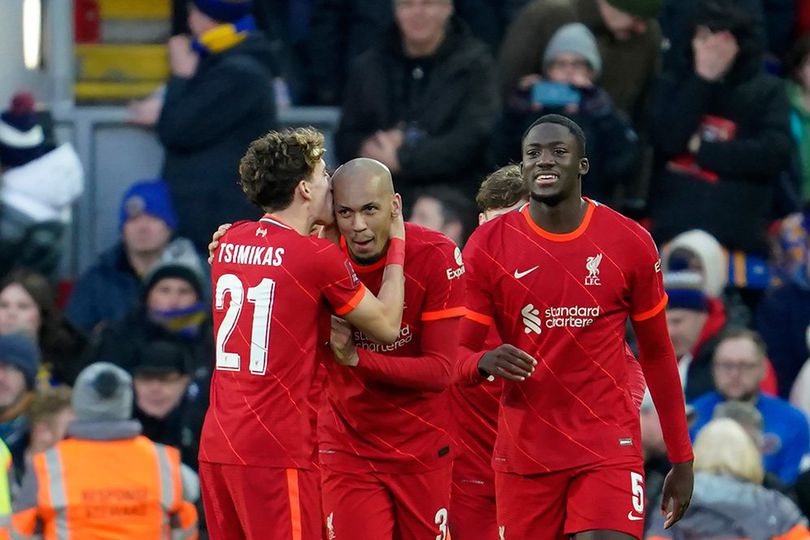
(567,457)
(272,285)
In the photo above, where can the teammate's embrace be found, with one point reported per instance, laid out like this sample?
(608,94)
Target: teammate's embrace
(273,284)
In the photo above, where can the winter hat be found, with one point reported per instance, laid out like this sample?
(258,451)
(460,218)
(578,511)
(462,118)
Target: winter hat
(708,250)
(22,138)
(179,260)
(685,291)
(22,353)
(577,39)
(645,9)
(224,10)
(162,357)
(148,197)
(103,391)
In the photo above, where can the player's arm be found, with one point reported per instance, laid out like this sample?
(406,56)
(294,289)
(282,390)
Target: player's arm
(657,359)
(380,317)
(431,371)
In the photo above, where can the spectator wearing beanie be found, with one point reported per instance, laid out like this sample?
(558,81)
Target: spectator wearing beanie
(39,185)
(219,98)
(572,63)
(172,309)
(64,490)
(19,362)
(110,287)
(627,36)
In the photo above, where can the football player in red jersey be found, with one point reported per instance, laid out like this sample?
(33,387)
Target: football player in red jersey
(384,429)
(558,280)
(273,283)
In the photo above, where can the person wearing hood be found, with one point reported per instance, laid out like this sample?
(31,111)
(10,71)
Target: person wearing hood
(106,480)
(219,98)
(423,101)
(40,182)
(720,128)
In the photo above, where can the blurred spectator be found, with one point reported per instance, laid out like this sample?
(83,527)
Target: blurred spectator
(172,309)
(446,210)
(108,289)
(800,393)
(654,452)
(728,500)
(488,19)
(798,89)
(162,402)
(423,101)
(695,324)
(738,369)
(5,483)
(38,186)
(783,317)
(28,305)
(106,480)
(220,97)
(627,35)
(571,65)
(19,362)
(721,131)
(340,31)
(49,415)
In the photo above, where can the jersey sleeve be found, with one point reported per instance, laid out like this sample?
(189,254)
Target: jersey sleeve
(339,283)
(442,274)
(647,297)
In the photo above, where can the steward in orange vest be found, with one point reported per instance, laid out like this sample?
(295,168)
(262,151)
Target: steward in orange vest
(106,480)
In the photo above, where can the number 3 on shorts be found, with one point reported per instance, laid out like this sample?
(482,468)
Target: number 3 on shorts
(637,486)
(441,521)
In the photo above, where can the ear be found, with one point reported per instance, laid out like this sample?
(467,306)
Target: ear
(304,190)
(396,205)
(584,166)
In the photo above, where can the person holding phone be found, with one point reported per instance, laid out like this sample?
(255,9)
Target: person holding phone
(568,86)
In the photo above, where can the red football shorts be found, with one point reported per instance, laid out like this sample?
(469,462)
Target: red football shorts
(383,506)
(260,503)
(551,506)
(472,513)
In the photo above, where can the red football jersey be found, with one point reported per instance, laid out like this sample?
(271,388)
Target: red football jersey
(370,424)
(564,299)
(475,417)
(269,298)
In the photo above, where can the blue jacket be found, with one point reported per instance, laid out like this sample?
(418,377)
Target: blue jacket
(106,291)
(786,434)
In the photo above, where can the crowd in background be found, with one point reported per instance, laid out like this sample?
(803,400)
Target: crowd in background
(697,116)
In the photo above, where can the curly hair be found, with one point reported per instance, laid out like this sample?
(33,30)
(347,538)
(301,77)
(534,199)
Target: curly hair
(501,189)
(275,163)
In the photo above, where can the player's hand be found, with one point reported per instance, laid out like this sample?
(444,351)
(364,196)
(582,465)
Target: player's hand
(508,362)
(397,229)
(677,492)
(341,341)
(214,244)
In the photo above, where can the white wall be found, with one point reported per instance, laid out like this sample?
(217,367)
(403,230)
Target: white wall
(13,75)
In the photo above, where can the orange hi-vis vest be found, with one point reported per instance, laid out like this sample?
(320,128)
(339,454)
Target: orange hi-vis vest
(111,489)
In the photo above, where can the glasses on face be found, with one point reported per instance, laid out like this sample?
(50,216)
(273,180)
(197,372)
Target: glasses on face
(742,367)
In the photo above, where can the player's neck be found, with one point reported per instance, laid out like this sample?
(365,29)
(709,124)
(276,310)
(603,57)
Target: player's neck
(560,218)
(300,221)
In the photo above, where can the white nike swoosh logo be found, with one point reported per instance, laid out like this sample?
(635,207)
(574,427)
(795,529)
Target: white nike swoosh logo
(632,517)
(519,275)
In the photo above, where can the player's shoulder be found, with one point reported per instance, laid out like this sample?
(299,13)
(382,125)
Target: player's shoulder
(419,239)
(494,229)
(614,223)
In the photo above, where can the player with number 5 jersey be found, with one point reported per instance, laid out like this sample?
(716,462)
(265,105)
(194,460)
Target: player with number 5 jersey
(273,285)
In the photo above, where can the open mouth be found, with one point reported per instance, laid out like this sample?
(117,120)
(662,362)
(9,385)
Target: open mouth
(546,179)
(363,244)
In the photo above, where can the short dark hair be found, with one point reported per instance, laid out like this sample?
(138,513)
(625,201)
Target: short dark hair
(455,206)
(502,189)
(275,163)
(745,333)
(560,120)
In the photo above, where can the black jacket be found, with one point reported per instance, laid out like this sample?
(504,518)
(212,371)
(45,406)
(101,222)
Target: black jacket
(447,104)
(735,208)
(206,125)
